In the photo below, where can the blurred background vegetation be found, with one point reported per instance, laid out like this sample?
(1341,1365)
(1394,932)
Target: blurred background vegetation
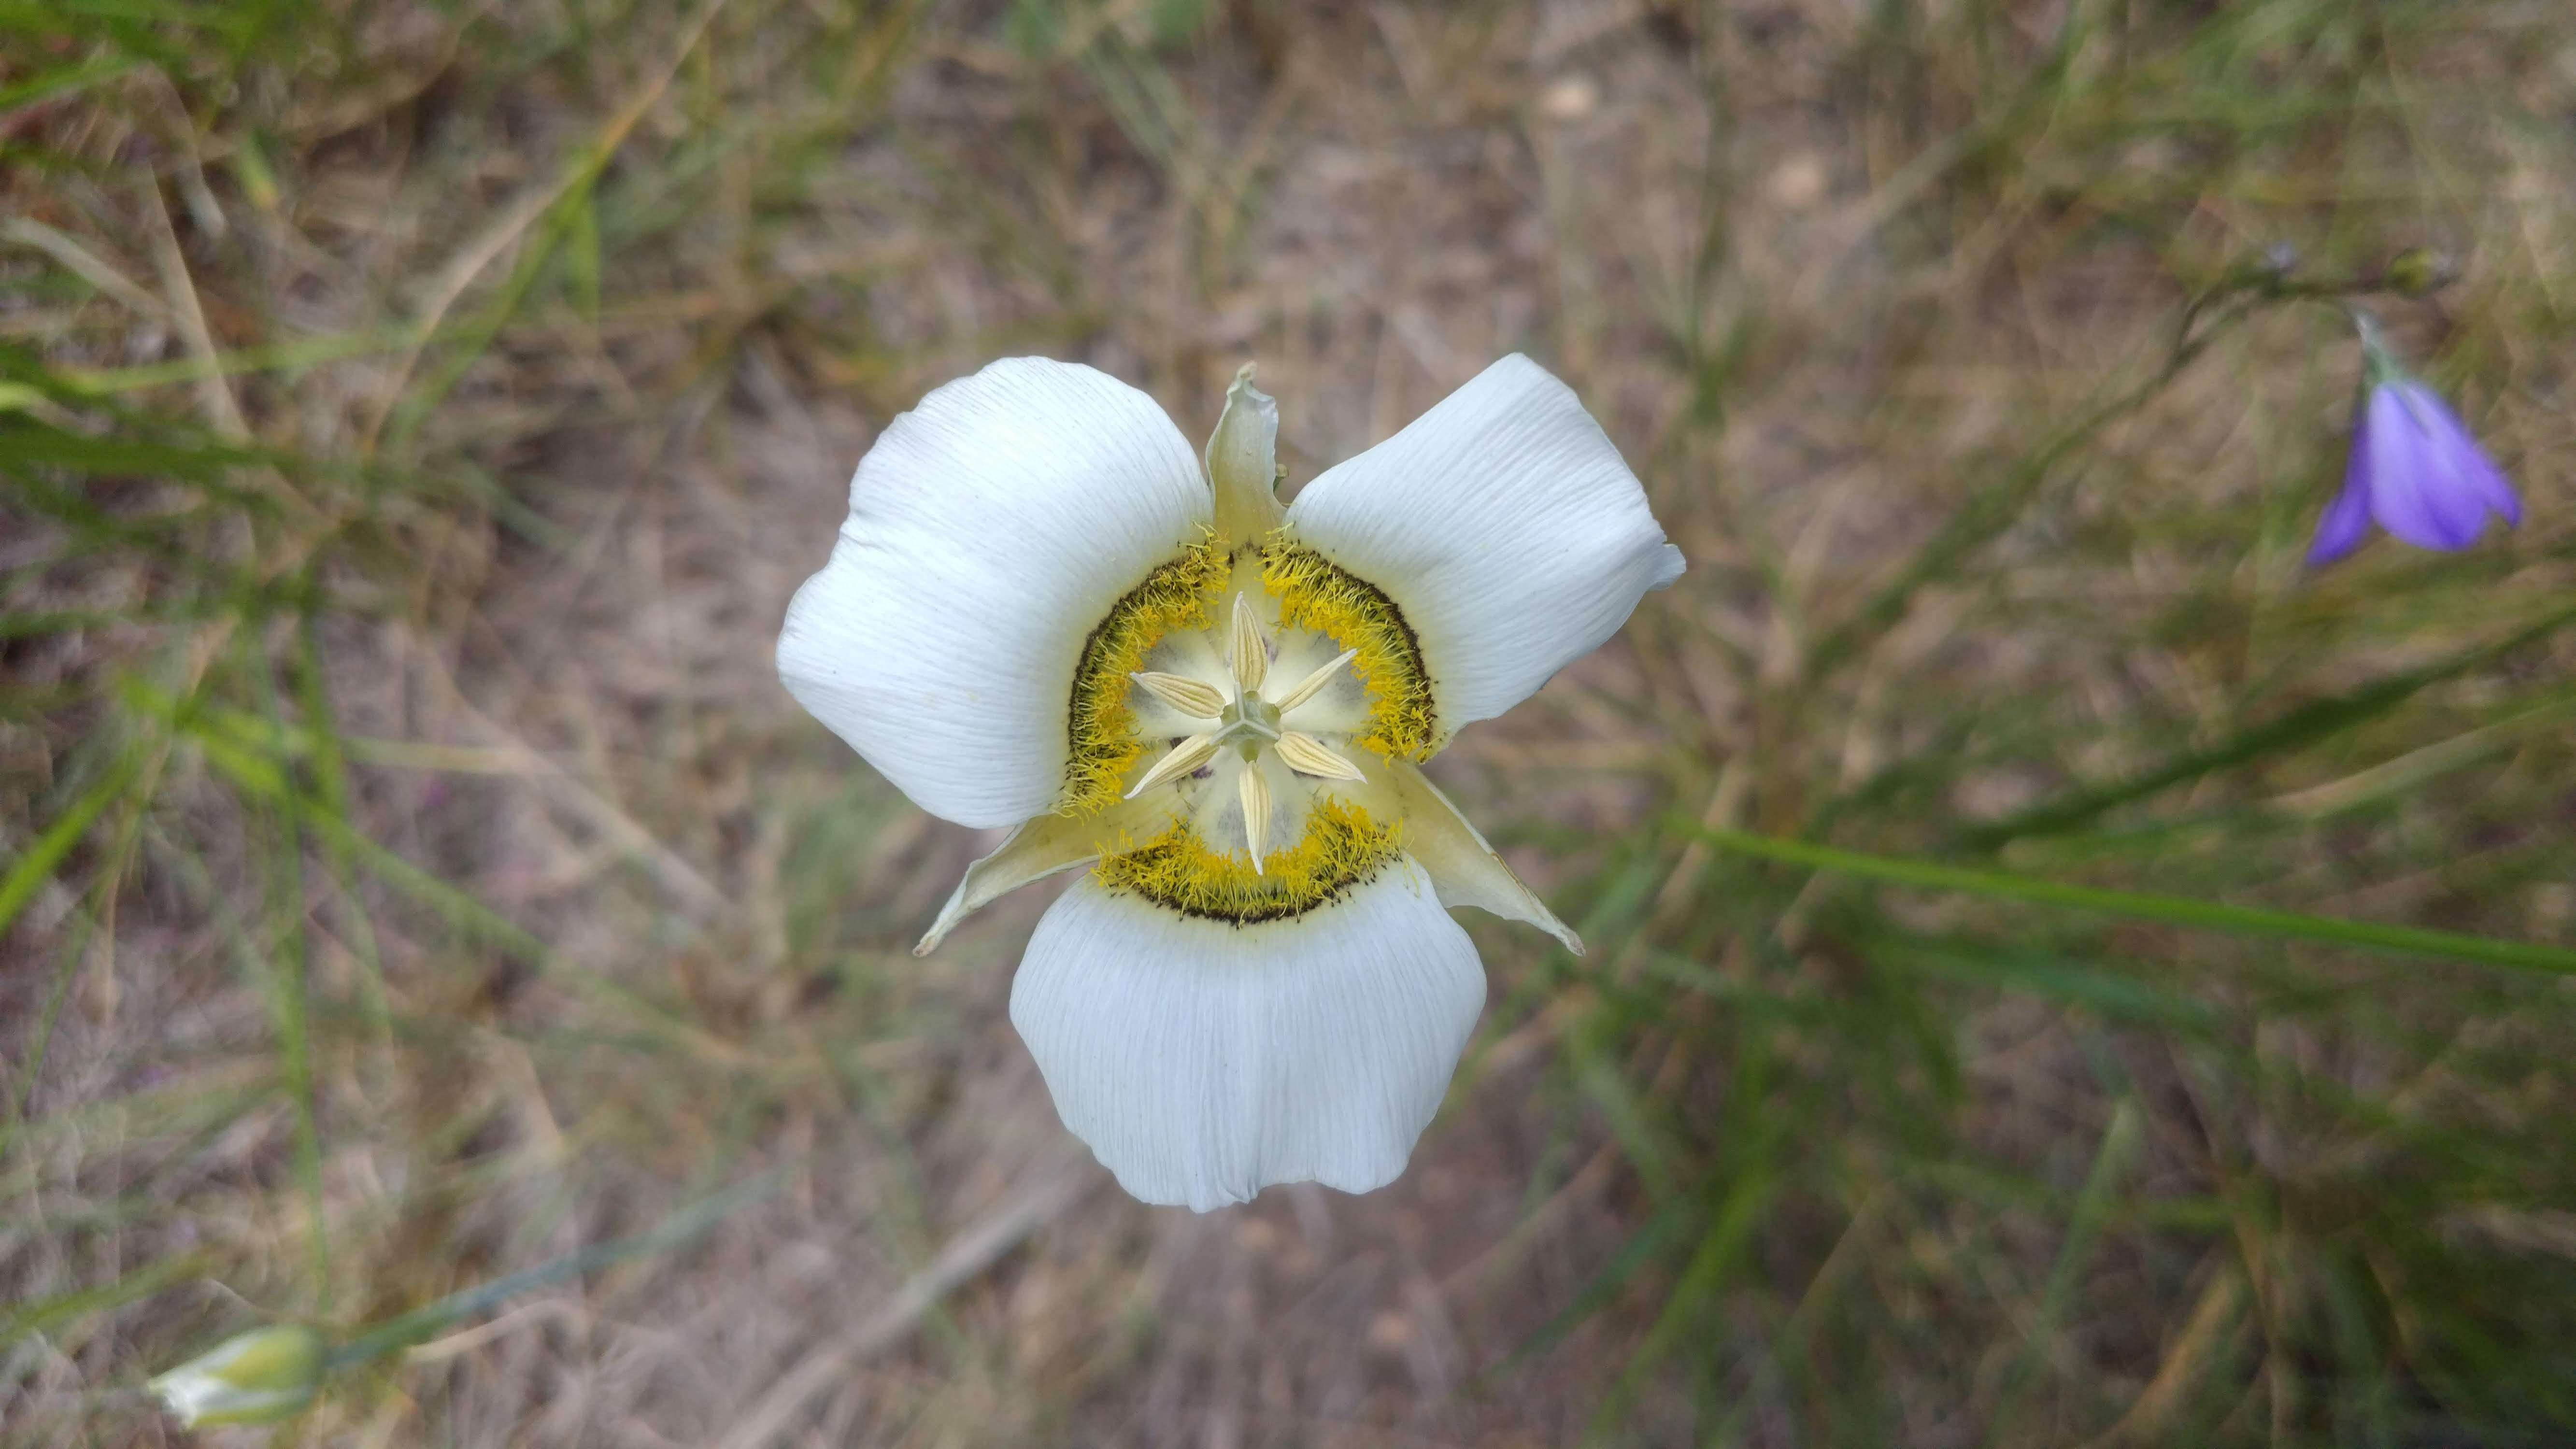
(414,417)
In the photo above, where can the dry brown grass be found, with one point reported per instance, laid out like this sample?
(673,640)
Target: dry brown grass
(563,325)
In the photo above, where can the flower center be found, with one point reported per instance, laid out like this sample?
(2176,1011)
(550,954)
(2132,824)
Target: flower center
(1247,724)
(1231,695)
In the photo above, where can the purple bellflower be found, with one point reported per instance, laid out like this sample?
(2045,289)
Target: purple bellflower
(2414,468)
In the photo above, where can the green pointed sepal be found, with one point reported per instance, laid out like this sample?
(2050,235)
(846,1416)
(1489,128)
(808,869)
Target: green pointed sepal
(1243,464)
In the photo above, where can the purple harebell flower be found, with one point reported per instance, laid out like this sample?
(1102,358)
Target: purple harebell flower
(2414,469)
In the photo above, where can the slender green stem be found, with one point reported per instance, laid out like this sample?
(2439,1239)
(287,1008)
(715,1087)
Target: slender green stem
(404,1330)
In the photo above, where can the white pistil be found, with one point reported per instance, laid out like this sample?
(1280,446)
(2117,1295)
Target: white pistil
(1189,696)
(1255,793)
(1307,756)
(1186,756)
(1247,653)
(1307,686)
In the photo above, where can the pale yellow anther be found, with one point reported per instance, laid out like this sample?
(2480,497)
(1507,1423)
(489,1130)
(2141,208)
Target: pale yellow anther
(1307,686)
(1305,755)
(1205,701)
(1255,792)
(1186,756)
(1247,653)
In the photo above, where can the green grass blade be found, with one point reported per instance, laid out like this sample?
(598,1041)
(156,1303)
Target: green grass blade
(47,1315)
(59,82)
(2303,726)
(2139,905)
(32,869)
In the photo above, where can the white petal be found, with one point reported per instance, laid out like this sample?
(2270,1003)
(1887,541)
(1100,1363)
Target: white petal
(990,529)
(1505,526)
(1203,1061)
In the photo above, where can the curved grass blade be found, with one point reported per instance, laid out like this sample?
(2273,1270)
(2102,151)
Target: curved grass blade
(2302,726)
(2140,905)
(34,868)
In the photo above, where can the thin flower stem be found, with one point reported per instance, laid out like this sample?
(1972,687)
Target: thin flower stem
(420,1324)
(1987,514)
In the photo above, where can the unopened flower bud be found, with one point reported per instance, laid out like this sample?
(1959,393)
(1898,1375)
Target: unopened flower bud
(257,1377)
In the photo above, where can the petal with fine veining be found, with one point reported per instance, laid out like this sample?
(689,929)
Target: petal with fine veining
(1204,1060)
(990,530)
(1506,528)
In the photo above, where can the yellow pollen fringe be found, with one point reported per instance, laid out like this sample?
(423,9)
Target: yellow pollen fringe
(1342,847)
(1103,740)
(1314,593)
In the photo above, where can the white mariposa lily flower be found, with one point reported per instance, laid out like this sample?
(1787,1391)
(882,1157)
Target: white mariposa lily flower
(1042,614)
